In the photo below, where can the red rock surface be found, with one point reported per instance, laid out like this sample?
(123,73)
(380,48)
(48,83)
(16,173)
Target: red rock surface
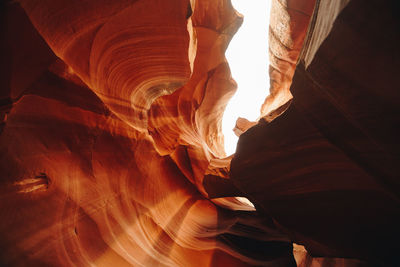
(112,150)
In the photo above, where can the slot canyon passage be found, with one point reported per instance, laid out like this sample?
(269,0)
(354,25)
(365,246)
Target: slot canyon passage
(112,152)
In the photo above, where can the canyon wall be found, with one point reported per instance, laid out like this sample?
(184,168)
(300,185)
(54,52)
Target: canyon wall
(112,151)
(327,170)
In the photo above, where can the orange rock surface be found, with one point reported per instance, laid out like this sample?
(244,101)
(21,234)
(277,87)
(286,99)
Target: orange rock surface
(105,148)
(112,150)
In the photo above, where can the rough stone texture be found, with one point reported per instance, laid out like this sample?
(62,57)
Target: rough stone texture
(288,26)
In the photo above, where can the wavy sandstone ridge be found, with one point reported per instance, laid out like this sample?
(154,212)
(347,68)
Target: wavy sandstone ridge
(112,150)
(105,149)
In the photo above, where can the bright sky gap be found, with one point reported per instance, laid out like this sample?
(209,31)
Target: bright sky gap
(247,55)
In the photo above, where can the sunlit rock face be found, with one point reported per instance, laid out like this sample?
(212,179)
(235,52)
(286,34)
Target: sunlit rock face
(288,26)
(112,151)
(112,120)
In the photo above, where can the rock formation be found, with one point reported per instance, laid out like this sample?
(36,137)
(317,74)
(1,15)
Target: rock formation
(112,151)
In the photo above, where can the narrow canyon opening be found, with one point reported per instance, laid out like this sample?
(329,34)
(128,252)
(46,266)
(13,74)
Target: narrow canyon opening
(247,55)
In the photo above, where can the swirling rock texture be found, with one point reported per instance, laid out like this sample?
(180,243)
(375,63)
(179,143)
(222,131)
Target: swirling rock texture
(112,151)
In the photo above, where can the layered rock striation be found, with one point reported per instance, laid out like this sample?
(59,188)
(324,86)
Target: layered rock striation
(112,150)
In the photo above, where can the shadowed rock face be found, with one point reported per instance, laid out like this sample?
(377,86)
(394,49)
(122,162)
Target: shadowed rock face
(327,170)
(112,150)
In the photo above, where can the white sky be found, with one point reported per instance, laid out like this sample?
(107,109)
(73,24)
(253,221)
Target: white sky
(247,55)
